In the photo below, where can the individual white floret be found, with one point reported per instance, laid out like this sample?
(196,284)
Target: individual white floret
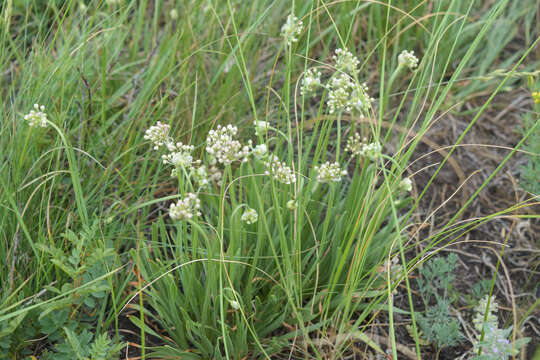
(405,185)
(291,29)
(222,145)
(346,61)
(250,216)
(37,117)
(310,82)
(407,58)
(158,134)
(260,151)
(185,208)
(329,172)
(279,171)
(173,14)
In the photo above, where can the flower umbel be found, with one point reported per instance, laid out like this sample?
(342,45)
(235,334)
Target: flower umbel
(261,127)
(345,95)
(250,216)
(185,208)
(346,61)
(354,144)
(279,171)
(405,185)
(158,134)
(291,29)
(180,155)
(407,58)
(37,117)
(221,144)
(329,172)
(341,88)
(260,151)
(310,82)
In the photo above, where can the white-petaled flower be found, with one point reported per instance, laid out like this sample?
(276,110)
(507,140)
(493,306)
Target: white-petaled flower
(407,58)
(310,82)
(37,117)
(173,14)
(329,172)
(261,127)
(250,216)
(222,145)
(185,208)
(260,151)
(158,134)
(279,170)
(292,204)
(339,95)
(405,185)
(346,61)
(180,155)
(291,29)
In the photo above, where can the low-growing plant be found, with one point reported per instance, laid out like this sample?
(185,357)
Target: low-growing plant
(492,343)
(437,324)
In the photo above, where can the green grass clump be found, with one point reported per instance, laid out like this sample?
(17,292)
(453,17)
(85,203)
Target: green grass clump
(284,227)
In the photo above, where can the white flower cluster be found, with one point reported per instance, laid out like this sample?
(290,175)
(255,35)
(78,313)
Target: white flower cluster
(340,92)
(250,216)
(180,155)
(291,29)
(260,151)
(223,146)
(37,117)
(356,147)
(310,82)
(203,176)
(279,171)
(261,127)
(345,94)
(159,135)
(371,151)
(185,208)
(329,172)
(292,204)
(405,185)
(355,144)
(407,58)
(346,61)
